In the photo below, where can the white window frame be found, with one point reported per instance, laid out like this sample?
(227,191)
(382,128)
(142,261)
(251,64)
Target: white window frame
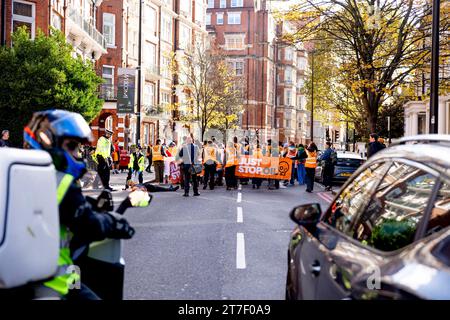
(210,4)
(167,22)
(220,14)
(25,19)
(229,37)
(113,27)
(208,19)
(288,97)
(232,16)
(237,3)
(223,4)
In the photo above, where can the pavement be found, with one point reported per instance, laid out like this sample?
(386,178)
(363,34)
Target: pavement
(220,245)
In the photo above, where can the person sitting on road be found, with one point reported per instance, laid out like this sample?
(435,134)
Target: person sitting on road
(148,186)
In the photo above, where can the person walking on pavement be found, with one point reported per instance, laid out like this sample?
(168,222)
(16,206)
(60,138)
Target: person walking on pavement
(310,154)
(60,133)
(292,153)
(231,160)
(116,157)
(4,141)
(103,157)
(158,154)
(301,173)
(136,165)
(328,159)
(374,145)
(148,154)
(210,156)
(189,161)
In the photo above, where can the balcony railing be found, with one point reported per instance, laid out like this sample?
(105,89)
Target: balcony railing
(108,92)
(152,71)
(88,27)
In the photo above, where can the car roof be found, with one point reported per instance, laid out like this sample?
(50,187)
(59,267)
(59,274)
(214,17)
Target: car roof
(435,155)
(348,155)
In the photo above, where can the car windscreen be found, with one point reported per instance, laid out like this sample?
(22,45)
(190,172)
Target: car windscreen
(347,162)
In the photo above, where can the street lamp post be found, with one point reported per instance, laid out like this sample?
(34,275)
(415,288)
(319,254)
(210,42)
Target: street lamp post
(138,112)
(389,128)
(434,100)
(312,95)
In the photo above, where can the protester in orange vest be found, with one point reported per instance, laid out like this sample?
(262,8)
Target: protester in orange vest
(210,155)
(257,153)
(158,154)
(231,160)
(310,154)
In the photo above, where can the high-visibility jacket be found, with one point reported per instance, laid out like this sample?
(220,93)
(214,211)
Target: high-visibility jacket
(157,155)
(258,153)
(103,148)
(141,162)
(231,154)
(209,154)
(311,160)
(64,277)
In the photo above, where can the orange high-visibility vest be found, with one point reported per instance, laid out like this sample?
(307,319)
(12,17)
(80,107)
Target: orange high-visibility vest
(157,156)
(258,153)
(311,161)
(231,157)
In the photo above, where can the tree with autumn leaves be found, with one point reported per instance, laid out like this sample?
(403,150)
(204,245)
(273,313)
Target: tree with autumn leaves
(373,51)
(213,91)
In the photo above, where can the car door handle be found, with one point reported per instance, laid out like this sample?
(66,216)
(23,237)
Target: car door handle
(315,268)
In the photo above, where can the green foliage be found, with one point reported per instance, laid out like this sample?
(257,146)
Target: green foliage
(41,74)
(391,234)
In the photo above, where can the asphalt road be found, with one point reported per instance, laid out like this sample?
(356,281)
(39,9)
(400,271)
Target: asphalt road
(220,245)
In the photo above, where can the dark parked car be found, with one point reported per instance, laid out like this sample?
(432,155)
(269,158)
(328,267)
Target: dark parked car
(347,164)
(386,234)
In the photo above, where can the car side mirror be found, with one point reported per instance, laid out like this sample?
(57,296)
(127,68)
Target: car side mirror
(306,214)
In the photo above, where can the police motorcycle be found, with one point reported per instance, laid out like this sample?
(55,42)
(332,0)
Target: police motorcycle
(29,229)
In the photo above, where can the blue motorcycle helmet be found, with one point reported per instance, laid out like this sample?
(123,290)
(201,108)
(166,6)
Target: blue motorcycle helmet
(49,130)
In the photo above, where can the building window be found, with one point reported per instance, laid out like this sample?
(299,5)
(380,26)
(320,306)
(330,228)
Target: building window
(166,28)
(165,67)
(234,42)
(56,21)
(24,14)
(208,19)
(288,75)
(210,4)
(199,12)
(185,7)
(234,18)
(150,19)
(219,18)
(288,97)
(109,28)
(237,3)
(288,124)
(223,3)
(149,95)
(237,67)
(288,54)
(150,54)
(108,81)
(185,37)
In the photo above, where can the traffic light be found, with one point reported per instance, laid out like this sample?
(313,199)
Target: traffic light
(336,135)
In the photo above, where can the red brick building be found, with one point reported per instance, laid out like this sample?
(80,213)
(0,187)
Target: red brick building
(248,33)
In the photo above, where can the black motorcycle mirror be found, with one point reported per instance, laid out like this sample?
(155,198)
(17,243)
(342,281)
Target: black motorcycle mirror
(306,214)
(137,198)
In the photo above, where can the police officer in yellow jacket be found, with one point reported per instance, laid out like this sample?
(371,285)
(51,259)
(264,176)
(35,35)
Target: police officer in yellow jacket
(102,156)
(136,165)
(60,133)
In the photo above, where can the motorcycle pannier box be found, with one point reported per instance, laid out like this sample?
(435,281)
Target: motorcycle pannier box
(29,220)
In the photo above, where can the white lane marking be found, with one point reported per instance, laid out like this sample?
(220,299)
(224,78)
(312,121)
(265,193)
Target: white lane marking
(240,217)
(239,198)
(240,251)
(240,187)
(328,196)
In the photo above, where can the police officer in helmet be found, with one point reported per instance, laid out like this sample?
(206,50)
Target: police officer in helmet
(60,133)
